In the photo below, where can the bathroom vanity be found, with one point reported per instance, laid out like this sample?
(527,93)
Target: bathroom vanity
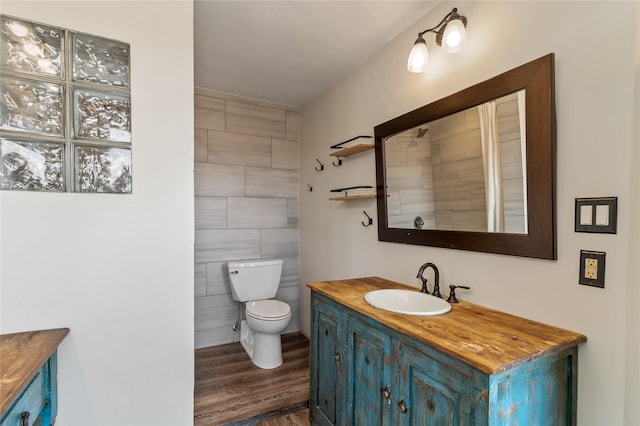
(470,366)
(28,367)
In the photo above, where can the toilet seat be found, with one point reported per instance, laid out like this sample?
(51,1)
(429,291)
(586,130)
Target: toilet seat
(268,310)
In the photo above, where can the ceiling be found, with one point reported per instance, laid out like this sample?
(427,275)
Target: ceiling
(288,52)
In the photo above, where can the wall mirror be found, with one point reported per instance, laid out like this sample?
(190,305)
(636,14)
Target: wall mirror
(475,170)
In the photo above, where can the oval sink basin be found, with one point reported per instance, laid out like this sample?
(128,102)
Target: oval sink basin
(407,302)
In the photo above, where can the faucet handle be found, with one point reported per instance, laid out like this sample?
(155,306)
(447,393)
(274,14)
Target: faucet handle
(452,294)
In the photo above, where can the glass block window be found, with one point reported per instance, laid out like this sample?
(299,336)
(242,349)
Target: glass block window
(32,106)
(31,48)
(101,169)
(65,110)
(32,165)
(100,60)
(101,115)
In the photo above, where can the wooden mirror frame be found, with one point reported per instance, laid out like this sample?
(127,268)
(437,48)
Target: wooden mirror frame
(537,78)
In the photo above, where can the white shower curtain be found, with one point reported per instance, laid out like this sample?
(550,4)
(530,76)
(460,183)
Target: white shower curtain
(523,150)
(492,166)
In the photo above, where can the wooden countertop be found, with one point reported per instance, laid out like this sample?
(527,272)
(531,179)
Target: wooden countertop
(21,356)
(489,340)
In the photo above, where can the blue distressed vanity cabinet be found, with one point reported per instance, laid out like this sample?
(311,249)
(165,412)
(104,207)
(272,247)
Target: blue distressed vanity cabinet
(28,368)
(372,367)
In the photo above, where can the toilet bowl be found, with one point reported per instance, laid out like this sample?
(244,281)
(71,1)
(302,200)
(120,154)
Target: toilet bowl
(260,331)
(255,282)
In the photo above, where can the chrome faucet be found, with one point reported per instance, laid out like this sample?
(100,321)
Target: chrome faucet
(436,274)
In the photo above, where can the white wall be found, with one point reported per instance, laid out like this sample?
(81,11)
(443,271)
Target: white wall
(116,269)
(596,111)
(632,393)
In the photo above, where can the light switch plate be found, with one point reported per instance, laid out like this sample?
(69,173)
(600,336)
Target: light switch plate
(592,268)
(599,215)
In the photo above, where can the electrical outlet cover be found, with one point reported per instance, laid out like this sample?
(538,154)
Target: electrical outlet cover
(592,268)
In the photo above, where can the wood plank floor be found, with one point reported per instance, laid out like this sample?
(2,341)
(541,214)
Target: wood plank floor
(298,418)
(230,390)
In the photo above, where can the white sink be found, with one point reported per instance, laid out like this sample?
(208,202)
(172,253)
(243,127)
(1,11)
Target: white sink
(407,302)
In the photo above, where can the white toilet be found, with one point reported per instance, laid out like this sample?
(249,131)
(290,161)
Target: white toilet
(255,282)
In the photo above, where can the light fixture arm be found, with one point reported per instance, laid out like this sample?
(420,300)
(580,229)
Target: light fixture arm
(436,29)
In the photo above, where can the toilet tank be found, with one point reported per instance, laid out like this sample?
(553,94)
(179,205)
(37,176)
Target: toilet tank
(254,279)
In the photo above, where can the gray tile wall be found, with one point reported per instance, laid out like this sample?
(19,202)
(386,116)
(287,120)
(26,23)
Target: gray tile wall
(246,203)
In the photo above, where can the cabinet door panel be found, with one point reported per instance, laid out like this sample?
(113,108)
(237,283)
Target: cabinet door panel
(434,393)
(369,374)
(428,404)
(325,383)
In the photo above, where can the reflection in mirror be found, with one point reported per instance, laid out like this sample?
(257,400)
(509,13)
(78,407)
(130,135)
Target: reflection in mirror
(462,172)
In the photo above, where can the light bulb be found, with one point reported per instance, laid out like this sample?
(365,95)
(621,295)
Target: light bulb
(419,56)
(455,36)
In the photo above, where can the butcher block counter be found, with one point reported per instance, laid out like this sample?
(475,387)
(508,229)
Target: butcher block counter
(476,365)
(488,340)
(28,368)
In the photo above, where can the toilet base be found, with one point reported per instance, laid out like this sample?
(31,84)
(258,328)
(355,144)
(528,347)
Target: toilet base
(265,350)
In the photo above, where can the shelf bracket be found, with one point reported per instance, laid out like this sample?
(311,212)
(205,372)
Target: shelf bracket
(338,145)
(350,187)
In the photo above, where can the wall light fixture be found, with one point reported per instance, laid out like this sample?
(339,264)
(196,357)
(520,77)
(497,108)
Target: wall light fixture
(450,33)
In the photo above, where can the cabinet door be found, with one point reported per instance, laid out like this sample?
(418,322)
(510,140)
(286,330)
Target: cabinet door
(433,391)
(325,380)
(368,394)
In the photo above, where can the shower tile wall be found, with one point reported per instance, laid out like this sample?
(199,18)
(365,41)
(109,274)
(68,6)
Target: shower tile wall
(246,203)
(440,176)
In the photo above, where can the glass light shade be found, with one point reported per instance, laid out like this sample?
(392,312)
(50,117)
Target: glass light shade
(455,36)
(419,56)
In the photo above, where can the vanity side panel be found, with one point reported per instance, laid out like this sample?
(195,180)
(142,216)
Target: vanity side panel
(542,392)
(325,396)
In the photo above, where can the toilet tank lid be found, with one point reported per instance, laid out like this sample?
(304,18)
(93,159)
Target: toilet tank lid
(254,262)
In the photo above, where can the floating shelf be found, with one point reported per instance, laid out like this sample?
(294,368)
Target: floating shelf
(339,145)
(353,197)
(346,196)
(345,152)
